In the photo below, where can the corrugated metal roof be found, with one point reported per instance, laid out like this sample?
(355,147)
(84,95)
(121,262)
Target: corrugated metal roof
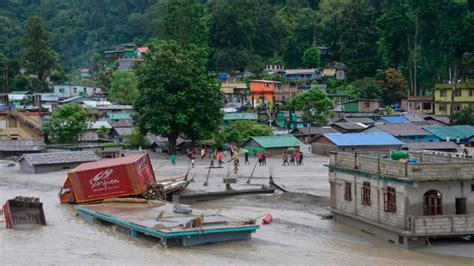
(403,129)
(313,131)
(363,139)
(394,119)
(277,141)
(123,123)
(363,120)
(123,131)
(240,116)
(300,71)
(117,116)
(21,145)
(60,157)
(351,125)
(461,131)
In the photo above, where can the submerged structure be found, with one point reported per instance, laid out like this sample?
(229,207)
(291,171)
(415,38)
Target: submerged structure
(168,223)
(405,202)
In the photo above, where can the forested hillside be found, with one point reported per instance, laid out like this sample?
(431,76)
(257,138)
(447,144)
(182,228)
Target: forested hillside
(423,39)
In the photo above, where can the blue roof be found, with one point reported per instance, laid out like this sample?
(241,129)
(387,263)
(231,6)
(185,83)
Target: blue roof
(363,139)
(395,119)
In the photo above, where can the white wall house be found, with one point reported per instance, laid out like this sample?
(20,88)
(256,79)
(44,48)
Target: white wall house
(66,91)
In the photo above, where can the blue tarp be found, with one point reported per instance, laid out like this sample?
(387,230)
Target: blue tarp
(363,139)
(395,119)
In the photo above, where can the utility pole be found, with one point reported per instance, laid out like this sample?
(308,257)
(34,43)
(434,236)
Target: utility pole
(453,83)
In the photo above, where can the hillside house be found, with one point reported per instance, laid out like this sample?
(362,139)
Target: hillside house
(234,92)
(360,106)
(67,91)
(418,104)
(262,93)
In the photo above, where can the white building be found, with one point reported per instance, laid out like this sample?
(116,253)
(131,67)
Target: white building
(66,91)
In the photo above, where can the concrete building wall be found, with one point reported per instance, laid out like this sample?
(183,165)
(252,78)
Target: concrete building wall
(375,211)
(450,190)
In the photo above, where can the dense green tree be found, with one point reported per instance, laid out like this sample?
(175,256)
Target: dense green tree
(184,22)
(177,94)
(40,59)
(232,24)
(123,87)
(316,106)
(67,124)
(137,140)
(464,117)
(394,86)
(240,131)
(367,88)
(312,58)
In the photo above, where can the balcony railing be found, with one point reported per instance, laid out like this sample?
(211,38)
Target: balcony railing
(441,225)
(427,166)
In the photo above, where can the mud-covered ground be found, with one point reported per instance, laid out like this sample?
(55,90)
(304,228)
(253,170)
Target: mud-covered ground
(298,234)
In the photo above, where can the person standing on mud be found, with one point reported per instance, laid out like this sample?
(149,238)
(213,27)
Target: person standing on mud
(247,158)
(297,157)
(260,158)
(301,158)
(264,159)
(292,159)
(173,159)
(219,158)
(285,159)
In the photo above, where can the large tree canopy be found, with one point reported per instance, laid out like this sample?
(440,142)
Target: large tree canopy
(315,105)
(68,124)
(40,59)
(123,87)
(177,94)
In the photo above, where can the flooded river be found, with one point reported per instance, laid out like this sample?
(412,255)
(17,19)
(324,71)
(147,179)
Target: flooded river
(297,236)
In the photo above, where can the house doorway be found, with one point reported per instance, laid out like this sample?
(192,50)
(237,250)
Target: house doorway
(433,203)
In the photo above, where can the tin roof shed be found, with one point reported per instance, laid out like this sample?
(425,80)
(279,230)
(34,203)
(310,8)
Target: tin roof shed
(362,139)
(276,141)
(452,132)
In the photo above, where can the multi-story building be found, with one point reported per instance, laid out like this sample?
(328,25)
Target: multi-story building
(20,132)
(262,92)
(418,104)
(404,203)
(463,97)
(66,91)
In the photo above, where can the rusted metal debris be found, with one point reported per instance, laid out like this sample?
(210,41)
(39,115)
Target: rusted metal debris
(22,211)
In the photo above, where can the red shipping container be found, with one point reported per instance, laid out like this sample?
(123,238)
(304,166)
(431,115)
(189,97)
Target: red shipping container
(121,177)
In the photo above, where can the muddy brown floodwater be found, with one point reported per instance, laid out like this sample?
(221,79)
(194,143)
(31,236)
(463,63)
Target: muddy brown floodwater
(297,235)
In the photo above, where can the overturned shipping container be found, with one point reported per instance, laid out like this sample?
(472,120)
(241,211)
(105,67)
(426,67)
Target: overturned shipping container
(121,177)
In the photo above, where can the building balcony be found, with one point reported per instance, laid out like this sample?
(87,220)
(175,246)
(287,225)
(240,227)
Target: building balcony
(424,167)
(440,225)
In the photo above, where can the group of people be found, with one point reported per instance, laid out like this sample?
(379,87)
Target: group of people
(212,153)
(295,158)
(262,158)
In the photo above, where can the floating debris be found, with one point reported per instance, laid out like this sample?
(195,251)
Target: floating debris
(23,211)
(159,220)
